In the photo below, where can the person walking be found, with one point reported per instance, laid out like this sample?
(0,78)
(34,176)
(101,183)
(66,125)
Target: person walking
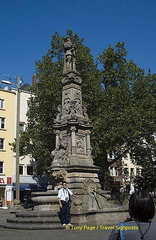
(121,197)
(64,203)
(139,226)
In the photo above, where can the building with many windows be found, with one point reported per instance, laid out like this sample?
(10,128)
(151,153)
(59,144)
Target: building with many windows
(125,172)
(7,119)
(26,163)
(8,113)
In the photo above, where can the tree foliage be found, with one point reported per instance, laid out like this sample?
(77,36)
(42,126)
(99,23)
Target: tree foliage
(120,98)
(128,118)
(39,137)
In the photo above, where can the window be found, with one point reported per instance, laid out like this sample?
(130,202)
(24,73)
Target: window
(116,171)
(27,105)
(1,167)
(111,171)
(126,171)
(132,171)
(21,127)
(29,170)
(2,122)
(1,103)
(1,143)
(138,171)
(21,169)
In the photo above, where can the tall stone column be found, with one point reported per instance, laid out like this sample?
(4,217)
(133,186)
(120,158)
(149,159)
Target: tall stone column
(73,139)
(57,139)
(88,147)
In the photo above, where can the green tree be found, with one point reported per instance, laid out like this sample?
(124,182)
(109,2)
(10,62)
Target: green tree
(144,149)
(39,137)
(120,100)
(126,119)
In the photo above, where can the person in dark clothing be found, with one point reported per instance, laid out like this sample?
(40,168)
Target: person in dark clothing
(64,203)
(139,225)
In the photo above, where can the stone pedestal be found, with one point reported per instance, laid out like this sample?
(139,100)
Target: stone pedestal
(83,181)
(72,159)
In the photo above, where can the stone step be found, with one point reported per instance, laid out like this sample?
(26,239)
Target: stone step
(45,193)
(41,226)
(33,220)
(37,214)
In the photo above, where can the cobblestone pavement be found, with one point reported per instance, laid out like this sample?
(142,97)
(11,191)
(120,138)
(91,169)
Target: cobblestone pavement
(7,234)
(61,234)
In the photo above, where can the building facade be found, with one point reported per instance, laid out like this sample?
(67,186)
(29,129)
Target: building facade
(125,172)
(7,119)
(8,113)
(26,163)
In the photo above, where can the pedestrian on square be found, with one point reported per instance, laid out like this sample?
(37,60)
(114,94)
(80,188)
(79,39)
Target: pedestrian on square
(121,195)
(139,226)
(64,203)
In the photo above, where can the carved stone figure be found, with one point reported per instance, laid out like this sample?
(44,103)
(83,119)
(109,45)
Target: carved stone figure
(60,155)
(72,108)
(77,94)
(68,63)
(67,93)
(80,144)
(70,57)
(66,106)
(86,118)
(78,106)
(89,186)
(58,117)
(60,175)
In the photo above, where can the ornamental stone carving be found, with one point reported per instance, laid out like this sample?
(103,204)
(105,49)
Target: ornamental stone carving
(72,121)
(60,175)
(60,156)
(59,115)
(77,95)
(80,144)
(89,187)
(70,57)
(85,115)
(71,76)
(77,202)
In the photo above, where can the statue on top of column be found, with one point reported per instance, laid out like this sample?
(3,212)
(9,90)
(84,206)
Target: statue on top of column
(69,56)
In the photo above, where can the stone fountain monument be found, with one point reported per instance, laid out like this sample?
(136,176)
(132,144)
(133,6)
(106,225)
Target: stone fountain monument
(72,154)
(72,160)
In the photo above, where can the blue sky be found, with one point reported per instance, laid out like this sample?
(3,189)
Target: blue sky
(26,27)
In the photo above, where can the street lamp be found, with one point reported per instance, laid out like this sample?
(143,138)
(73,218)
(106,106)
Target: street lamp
(17,200)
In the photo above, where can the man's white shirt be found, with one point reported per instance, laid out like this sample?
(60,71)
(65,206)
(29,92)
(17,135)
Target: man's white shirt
(63,194)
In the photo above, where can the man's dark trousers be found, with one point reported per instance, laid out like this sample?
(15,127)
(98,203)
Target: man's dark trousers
(65,212)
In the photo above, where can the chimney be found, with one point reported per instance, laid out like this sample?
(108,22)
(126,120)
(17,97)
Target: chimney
(33,79)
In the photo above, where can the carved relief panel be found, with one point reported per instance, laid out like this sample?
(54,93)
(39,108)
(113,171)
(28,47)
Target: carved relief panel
(80,144)
(71,102)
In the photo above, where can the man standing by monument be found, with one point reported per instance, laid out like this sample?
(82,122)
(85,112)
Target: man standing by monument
(64,203)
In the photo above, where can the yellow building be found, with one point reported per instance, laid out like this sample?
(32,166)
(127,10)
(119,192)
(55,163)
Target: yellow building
(128,172)
(7,115)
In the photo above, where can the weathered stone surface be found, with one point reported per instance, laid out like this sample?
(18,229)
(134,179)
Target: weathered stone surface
(82,175)
(47,207)
(103,218)
(16,209)
(81,180)
(44,200)
(77,202)
(72,124)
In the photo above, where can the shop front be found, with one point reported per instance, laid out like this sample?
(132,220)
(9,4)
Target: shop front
(6,194)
